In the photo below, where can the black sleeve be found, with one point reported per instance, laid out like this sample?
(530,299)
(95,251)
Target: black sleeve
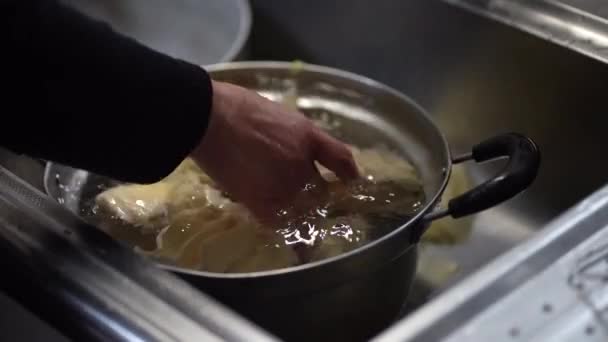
(82,95)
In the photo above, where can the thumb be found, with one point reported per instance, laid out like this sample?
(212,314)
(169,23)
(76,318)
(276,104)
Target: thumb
(335,155)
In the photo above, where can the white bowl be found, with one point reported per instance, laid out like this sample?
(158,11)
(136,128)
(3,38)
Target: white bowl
(198,31)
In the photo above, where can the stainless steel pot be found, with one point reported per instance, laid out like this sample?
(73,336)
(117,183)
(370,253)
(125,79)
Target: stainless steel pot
(354,295)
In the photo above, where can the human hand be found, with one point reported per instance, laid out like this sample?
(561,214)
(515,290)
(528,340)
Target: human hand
(262,153)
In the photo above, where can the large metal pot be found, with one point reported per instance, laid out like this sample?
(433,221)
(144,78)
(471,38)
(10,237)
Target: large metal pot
(354,295)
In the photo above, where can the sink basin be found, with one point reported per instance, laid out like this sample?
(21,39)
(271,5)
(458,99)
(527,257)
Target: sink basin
(477,77)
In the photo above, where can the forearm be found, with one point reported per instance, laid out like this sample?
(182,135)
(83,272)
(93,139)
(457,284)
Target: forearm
(85,96)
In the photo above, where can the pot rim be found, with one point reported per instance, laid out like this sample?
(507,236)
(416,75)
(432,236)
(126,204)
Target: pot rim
(416,219)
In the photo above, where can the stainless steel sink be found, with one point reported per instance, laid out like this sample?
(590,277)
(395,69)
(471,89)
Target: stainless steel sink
(477,77)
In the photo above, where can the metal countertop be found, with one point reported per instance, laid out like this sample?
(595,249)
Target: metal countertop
(580,25)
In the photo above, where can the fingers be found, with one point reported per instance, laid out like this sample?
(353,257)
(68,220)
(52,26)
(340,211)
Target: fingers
(334,155)
(290,198)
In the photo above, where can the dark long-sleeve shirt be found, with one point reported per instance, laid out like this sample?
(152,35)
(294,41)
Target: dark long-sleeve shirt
(81,94)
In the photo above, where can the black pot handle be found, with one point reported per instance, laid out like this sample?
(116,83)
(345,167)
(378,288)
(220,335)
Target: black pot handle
(517,176)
